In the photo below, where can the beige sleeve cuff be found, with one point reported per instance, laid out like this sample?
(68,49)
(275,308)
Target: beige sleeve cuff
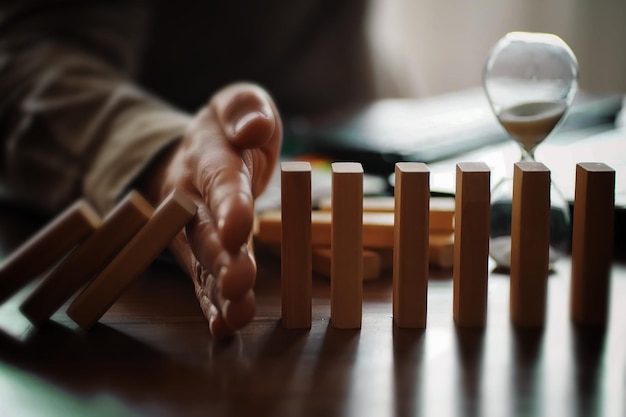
(136,138)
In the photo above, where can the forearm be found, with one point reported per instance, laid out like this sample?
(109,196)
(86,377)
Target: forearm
(72,123)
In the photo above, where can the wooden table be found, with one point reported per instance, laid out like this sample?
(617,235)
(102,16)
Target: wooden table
(152,355)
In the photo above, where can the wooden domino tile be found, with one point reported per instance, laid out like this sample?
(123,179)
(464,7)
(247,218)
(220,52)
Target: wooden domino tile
(378,228)
(346,282)
(471,247)
(168,219)
(441,218)
(372,263)
(530,243)
(46,247)
(296,263)
(118,227)
(592,243)
(410,263)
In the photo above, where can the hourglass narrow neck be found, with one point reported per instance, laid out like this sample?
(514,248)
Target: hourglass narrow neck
(528,155)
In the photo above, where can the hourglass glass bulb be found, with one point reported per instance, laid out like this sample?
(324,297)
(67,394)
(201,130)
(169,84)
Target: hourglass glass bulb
(530,80)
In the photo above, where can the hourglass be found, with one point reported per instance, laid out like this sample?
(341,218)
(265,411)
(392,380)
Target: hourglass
(530,80)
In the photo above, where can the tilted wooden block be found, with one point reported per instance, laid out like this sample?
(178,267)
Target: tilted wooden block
(471,248)
(346,282)
(83,263)
(168,219)
(592,243)
(296,257)
(410,266)
(45,248)
(530,243)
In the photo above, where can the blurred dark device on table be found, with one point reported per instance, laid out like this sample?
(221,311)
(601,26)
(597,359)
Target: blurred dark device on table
(430,129)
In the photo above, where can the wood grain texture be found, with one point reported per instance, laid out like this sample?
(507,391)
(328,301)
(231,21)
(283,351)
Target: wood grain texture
(530,243)
(410,266)
(152,354)
(80,266)
(168,219)
(372,263)
(296,257)
(47,247)
(441,218)
(471,244)
(592,243)
(346,281)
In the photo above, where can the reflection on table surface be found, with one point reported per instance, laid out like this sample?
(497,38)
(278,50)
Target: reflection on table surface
(151,354)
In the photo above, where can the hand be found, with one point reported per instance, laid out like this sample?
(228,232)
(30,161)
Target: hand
(223,162)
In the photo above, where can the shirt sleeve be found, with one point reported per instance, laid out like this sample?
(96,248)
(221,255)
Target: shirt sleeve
(72,122)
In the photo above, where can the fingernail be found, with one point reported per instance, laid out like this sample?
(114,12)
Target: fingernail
(243,120)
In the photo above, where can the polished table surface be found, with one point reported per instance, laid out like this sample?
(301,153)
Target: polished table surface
(152,355)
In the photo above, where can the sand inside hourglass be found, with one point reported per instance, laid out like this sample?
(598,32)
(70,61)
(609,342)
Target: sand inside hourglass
(530,123)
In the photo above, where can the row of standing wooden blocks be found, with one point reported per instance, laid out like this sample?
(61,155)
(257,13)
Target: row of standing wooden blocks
(592,240)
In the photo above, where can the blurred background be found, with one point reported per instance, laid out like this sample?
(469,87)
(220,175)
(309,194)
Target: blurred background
(428,47)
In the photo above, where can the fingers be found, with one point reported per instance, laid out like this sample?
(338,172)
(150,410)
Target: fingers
(246,114)
(235,273)
(231,149)
(251,121)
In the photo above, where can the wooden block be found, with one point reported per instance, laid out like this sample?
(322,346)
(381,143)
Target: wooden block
(530,243)
(471,248)
(45,248)
(372,263)
(296,268)
(346,282)
(168,219)
(441,217)
(377,228)
(441,250)
(410,263)
(592,243)
(90,256)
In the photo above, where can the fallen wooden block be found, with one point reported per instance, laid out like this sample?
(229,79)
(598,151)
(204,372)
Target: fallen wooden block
(47,247)
(377,228)
(372,263)
(440,252)
(441,210)
(168,219)
(90,256)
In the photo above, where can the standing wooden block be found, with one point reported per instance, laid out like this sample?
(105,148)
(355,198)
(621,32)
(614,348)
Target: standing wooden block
(471,243)
(530,243)
(592,242)
(346,282)
(84,262)
(296,264)
(168,219)
(47,247)
(410,252)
